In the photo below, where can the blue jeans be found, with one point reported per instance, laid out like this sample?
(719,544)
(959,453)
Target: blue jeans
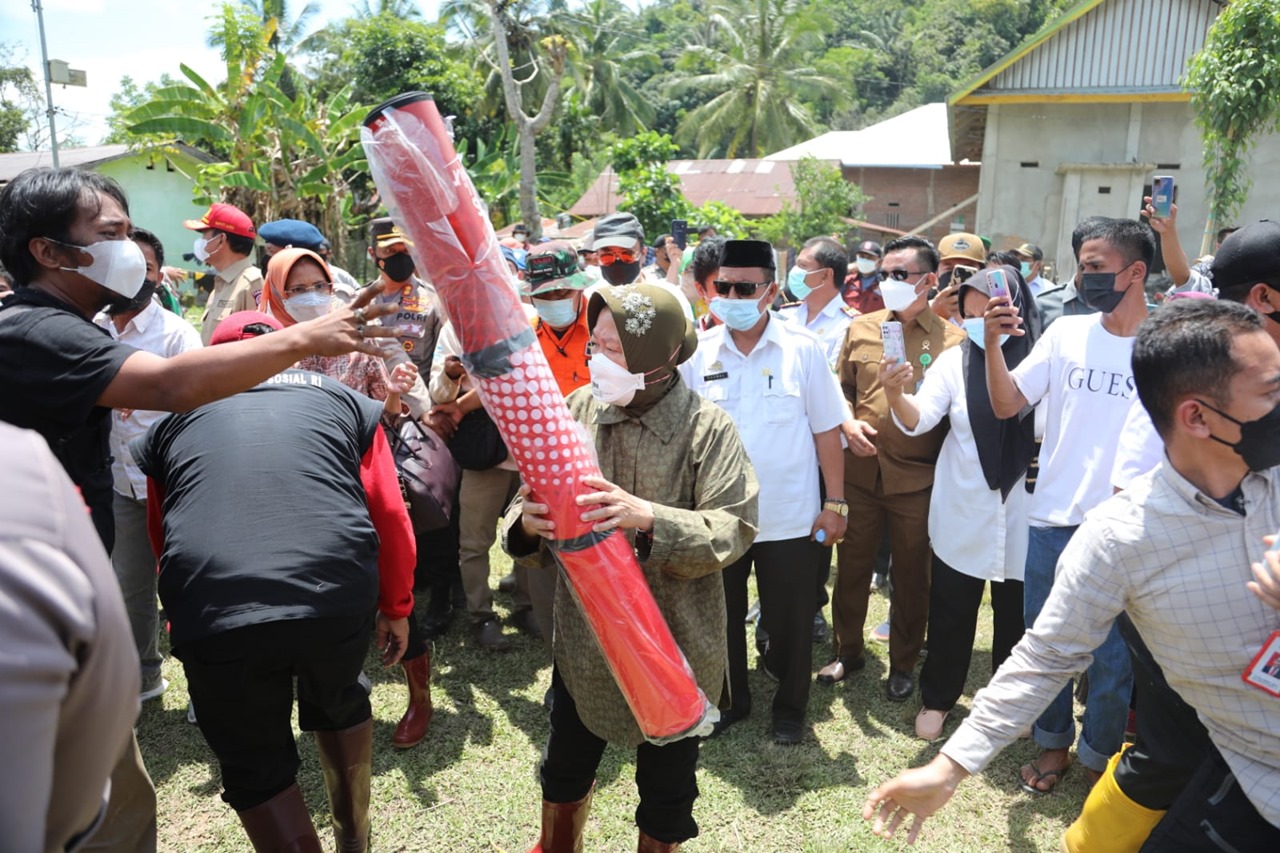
(1110,676)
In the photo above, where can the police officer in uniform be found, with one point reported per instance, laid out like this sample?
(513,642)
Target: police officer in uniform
(417,322)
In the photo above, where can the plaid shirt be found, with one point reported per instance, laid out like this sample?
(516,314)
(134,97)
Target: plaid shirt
(1177,561)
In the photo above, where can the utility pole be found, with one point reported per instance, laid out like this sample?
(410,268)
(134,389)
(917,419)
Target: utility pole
(48,84)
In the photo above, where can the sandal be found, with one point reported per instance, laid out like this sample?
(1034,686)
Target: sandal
(1054,776)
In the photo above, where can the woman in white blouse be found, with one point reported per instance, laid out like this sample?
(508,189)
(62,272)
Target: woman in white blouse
(978,514)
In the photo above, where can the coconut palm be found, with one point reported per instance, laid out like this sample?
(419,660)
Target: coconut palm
(404,9)
(759,80)
(607,44)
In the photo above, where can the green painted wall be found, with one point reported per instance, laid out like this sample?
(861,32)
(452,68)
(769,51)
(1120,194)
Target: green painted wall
(159,194)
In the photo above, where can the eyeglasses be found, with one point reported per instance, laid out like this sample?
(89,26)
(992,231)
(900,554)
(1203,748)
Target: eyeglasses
(902,274)
(318,287)
(609,257)
(744,289)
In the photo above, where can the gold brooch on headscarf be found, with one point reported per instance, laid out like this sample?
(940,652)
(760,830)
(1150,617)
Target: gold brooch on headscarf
(640,311)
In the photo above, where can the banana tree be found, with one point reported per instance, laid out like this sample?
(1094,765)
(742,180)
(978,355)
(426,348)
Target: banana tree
(282,156)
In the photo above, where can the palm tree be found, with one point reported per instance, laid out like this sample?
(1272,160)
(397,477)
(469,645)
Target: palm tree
(608,43)
(289,33)
(760,80)
(406,10)
(525,22)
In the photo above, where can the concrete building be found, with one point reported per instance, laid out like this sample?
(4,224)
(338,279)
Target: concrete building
(158,184)
(905,167)
(1077,120)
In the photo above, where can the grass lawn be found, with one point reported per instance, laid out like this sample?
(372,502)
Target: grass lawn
(471,786)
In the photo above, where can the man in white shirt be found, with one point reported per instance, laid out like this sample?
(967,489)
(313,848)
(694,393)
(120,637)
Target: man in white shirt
(145,325)
(1173,552)
(814,281)
(1081,367)
(773,379)
(820,308)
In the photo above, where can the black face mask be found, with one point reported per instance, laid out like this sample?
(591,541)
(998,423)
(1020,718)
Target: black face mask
(399,267)
(1259,444)
(620,273)
(1098,290)
(124,305)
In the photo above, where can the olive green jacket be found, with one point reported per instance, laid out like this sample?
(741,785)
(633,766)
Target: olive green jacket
(683,455)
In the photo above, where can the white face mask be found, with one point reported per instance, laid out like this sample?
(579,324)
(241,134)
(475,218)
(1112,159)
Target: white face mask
(866,266)
(898,295)
(611,382)
(200,248)
(308,306)
(118,265)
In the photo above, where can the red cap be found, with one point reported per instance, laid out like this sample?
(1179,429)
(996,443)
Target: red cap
(233,328)
(224,217)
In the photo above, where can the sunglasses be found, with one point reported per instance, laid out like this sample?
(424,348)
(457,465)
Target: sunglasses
(744,289)
(609,257)
(902,274)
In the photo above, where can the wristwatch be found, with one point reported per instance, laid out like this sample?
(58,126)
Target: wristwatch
(839,507)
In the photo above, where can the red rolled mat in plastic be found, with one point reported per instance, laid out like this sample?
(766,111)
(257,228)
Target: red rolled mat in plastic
(429,195)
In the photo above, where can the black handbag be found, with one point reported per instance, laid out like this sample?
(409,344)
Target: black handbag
(477,445)
(427,471)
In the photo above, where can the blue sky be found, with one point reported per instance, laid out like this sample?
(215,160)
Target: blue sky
(109,39)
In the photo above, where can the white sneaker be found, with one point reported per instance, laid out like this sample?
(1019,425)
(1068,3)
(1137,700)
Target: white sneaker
(154,691)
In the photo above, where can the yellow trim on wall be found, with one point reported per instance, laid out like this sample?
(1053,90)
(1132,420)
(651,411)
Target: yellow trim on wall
(1078,98)
(1073,14)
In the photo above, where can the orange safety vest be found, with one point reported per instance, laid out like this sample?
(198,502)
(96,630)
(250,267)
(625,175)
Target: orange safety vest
(567,353)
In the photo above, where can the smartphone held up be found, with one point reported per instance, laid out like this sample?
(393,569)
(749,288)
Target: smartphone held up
(1162,196)
(895,345)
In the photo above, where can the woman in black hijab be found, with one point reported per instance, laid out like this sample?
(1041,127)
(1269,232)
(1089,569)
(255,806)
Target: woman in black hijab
(978,514)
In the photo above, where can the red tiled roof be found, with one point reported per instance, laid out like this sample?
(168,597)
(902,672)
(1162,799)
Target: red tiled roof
(752,187)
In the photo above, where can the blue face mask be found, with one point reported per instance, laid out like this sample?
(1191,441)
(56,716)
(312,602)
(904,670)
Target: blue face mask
(796,282)
(977,329)
(556,313)
(738,314)
(1026,271)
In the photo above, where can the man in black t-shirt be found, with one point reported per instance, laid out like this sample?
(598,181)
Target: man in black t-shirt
(301,461)
(64,237)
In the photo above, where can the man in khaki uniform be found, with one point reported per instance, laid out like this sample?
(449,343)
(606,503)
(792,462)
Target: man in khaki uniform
(888,476)
(69,672)
(225,242)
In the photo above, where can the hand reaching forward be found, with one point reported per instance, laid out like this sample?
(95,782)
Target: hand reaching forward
(920,791)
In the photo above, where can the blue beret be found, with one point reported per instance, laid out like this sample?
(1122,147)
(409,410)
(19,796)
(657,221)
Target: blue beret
(292,232)
(519,257)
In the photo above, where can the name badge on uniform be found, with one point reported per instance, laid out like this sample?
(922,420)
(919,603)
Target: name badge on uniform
(410,330)
(1264,670)
(717,372)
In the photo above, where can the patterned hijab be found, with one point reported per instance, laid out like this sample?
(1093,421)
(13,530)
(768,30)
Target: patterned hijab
(656,336)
